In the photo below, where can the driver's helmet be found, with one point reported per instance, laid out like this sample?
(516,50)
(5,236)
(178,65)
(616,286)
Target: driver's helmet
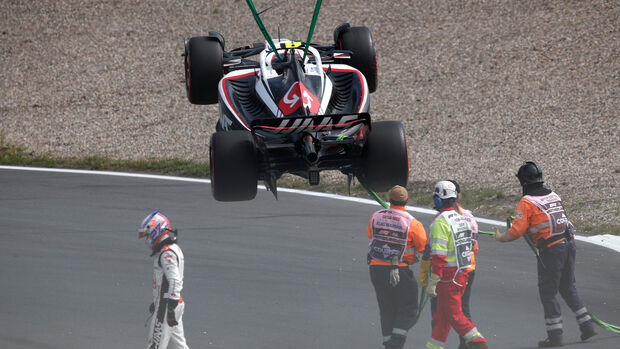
(285,55)
(156,228)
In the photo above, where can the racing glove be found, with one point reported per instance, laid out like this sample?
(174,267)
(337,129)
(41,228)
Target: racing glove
(431,289)
(171,316)
(394,275)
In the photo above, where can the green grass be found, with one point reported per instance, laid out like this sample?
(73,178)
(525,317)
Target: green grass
(18,156)
(600,229)
(490,203)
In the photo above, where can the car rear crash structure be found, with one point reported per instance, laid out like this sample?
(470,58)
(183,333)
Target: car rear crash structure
(293,107)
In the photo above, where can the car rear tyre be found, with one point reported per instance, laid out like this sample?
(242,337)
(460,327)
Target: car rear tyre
(364,58)
(203,68)
(234,166)
(386,161)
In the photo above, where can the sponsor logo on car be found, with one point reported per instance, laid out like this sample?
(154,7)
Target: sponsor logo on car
(298,95)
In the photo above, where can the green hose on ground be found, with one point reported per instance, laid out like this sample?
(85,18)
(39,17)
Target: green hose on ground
(604,325)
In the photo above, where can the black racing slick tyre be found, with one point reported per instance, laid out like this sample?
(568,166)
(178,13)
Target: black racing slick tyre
(234,166)
(386,159)
(203,68)
(364,58)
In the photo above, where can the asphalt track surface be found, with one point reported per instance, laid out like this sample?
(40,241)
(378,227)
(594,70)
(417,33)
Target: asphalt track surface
(287,273)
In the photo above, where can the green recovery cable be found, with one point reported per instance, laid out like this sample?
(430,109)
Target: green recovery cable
(423,299)
(605,325)
(525,237)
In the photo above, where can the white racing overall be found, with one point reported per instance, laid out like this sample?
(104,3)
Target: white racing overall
(167,284)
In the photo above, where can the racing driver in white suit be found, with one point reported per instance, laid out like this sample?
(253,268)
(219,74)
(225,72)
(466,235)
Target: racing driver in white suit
(166,325)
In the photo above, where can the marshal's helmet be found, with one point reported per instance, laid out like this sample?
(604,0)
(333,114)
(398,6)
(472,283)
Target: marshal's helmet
(529,173)
(156,228)
(444,192)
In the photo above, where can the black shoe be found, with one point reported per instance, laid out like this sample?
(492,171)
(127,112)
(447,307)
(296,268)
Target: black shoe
(549,343)
(396,341)
(588,333)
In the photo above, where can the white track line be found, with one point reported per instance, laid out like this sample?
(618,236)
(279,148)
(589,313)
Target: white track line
(605,240)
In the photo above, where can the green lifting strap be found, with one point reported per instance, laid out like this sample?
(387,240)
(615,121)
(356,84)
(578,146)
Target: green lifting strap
(374,195)
(262,28)
(315,16)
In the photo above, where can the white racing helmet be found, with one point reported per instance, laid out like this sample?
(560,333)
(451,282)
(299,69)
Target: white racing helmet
(156,228)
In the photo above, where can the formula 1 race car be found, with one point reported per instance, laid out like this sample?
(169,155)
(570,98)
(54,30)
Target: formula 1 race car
(301,108)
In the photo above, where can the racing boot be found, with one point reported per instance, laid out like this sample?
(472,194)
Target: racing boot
(478,345)
(550,343)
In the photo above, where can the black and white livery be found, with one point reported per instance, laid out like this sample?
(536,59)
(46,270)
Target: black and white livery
(291,107)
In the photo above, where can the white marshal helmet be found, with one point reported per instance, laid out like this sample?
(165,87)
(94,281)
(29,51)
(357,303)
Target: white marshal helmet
(445,190)
(156,228)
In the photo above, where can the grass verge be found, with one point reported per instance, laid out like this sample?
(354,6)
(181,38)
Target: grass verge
(490,203)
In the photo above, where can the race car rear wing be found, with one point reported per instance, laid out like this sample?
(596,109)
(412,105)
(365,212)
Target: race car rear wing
(315,123)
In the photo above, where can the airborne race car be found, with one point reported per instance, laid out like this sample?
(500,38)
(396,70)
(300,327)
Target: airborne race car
(300,109)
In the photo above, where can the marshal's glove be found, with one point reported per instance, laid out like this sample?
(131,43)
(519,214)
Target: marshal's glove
(394,275)
(431,289)
(171,316)
(499,236)
(425,266)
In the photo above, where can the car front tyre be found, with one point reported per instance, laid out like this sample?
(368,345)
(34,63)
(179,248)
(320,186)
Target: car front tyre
(203,69)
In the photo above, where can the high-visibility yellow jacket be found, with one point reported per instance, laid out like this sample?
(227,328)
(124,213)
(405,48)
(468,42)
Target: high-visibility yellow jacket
(443,249)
